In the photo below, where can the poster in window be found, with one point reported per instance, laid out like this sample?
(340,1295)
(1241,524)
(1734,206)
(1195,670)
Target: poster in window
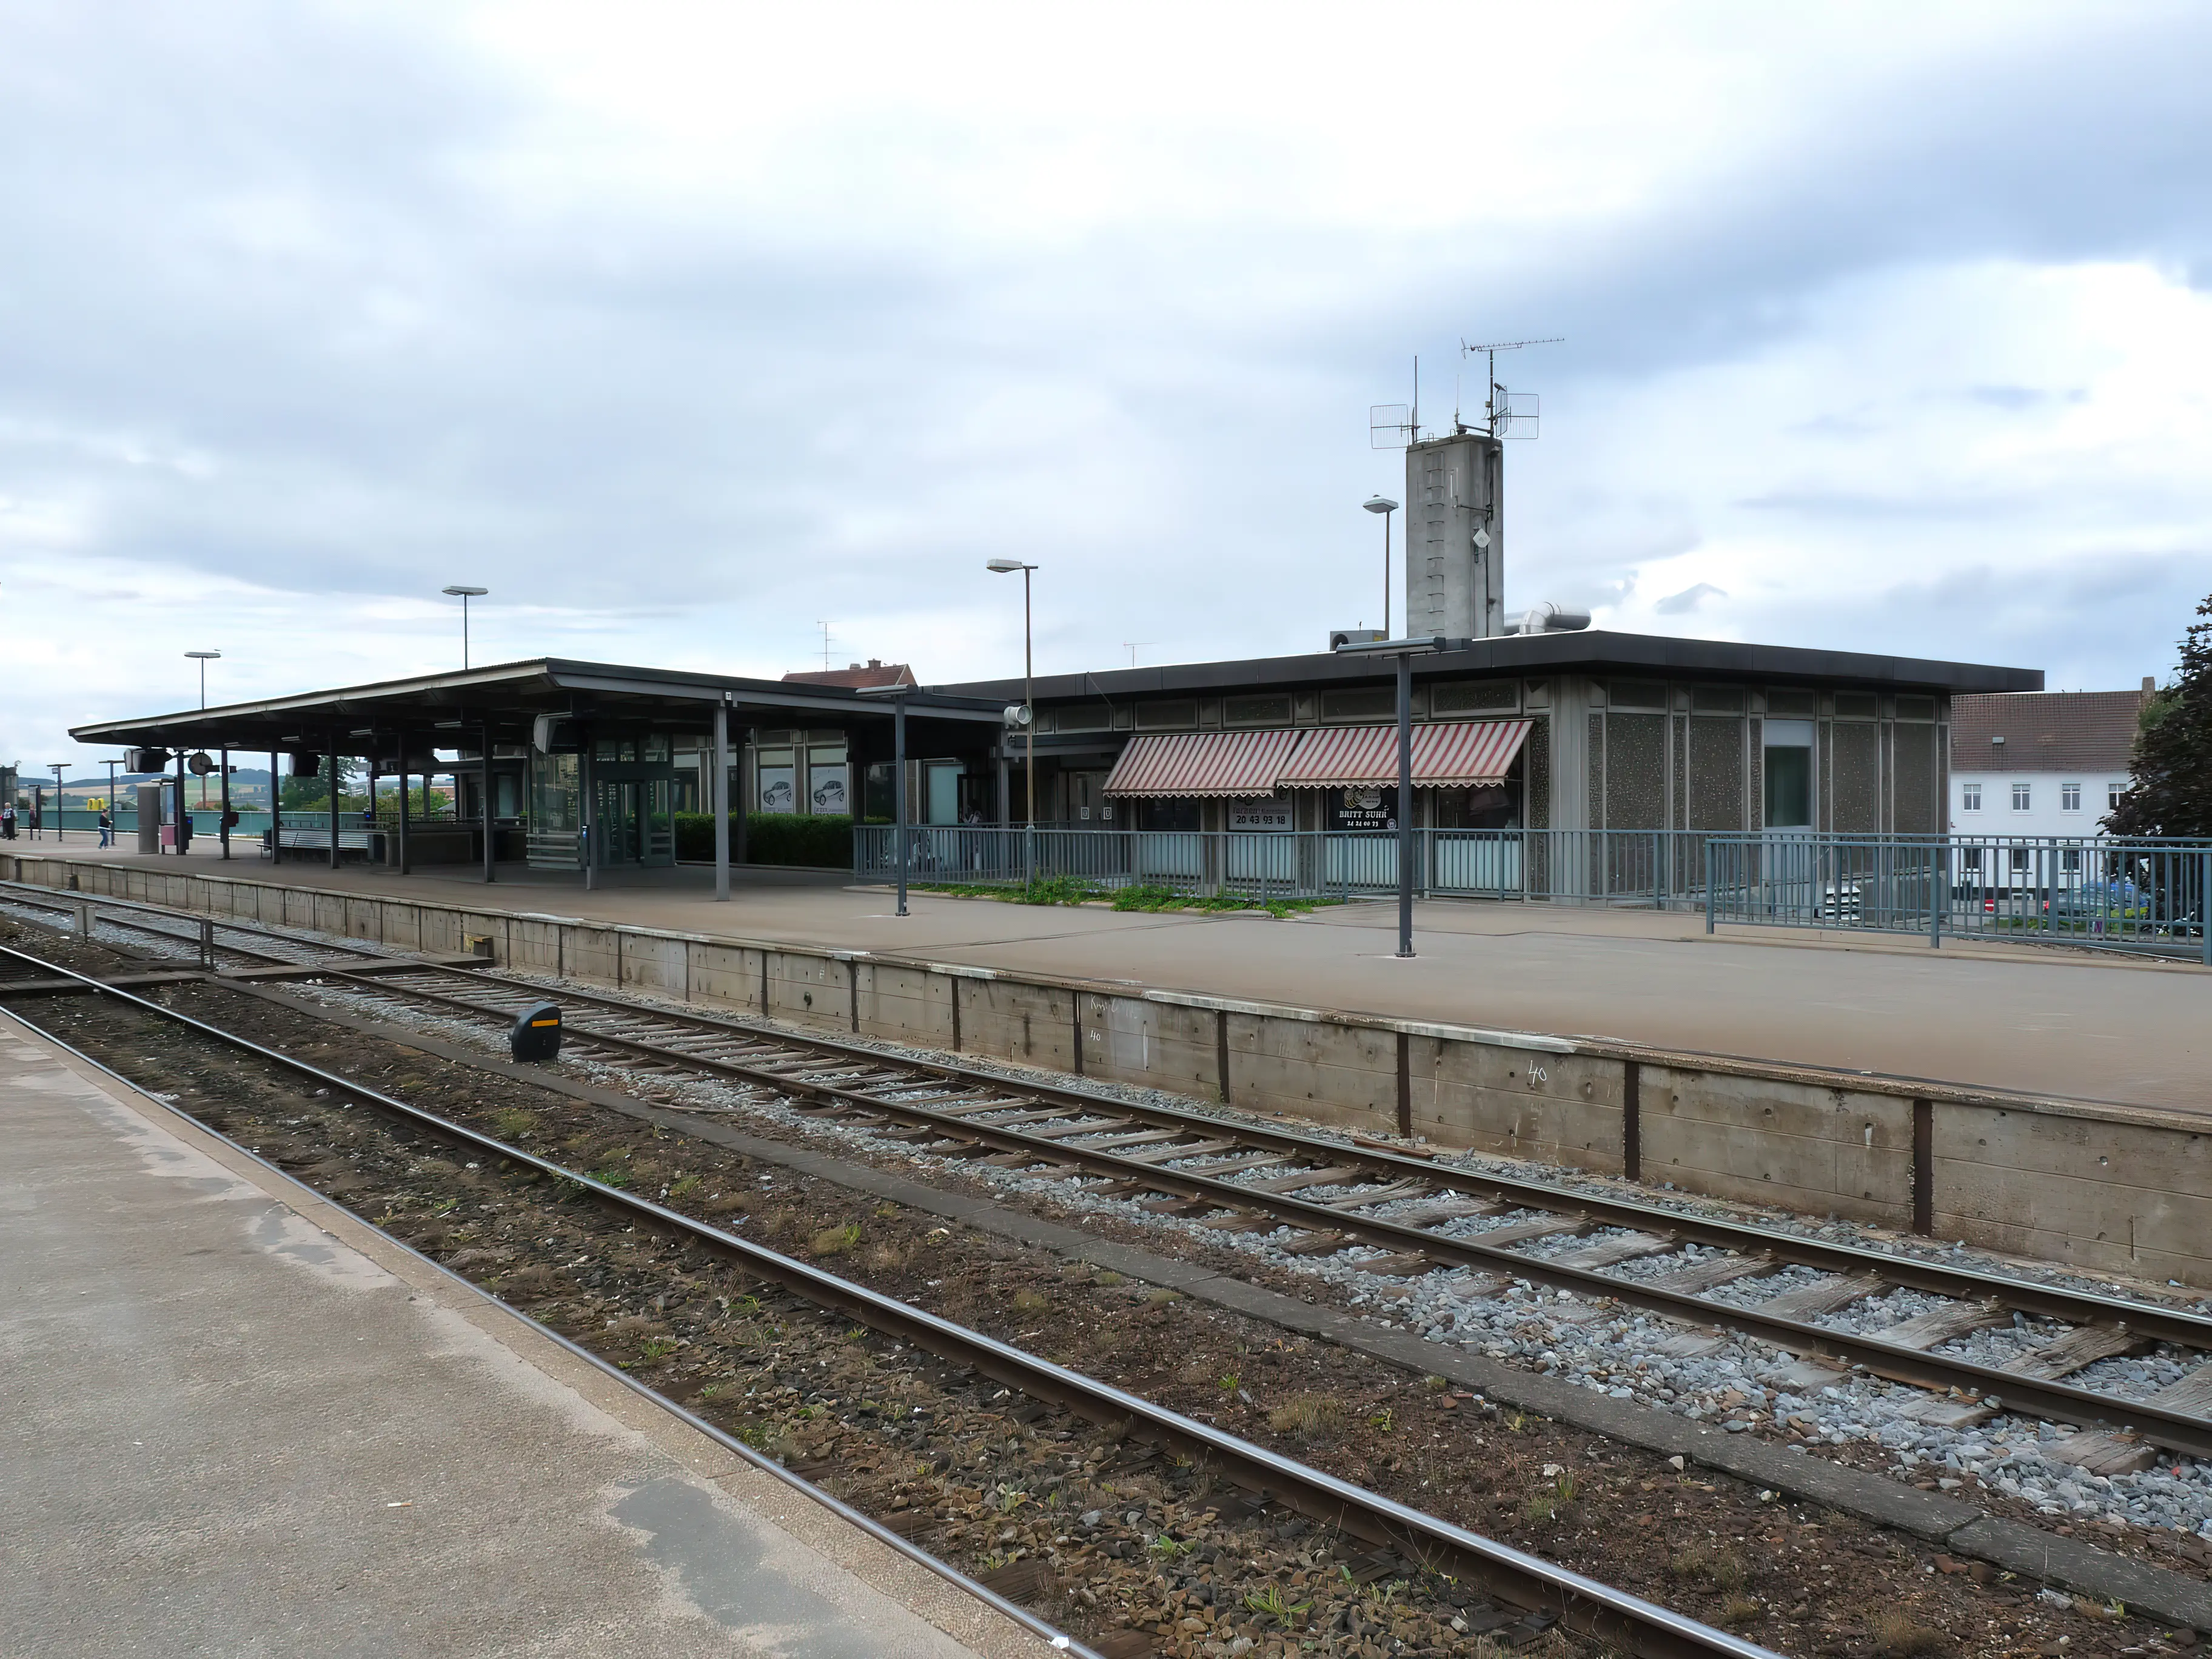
(777,790)
(828,790)
(1362,808)
(1259,817)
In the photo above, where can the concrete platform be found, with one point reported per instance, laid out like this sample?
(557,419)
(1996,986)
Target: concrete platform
(239,1422)
(1981,1015)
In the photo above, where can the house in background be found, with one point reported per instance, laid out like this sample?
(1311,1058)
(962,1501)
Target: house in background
(2040,762)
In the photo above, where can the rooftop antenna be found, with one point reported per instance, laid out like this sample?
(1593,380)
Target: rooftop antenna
(1506,414)
(824,627)
(1133,645)
(1392,426)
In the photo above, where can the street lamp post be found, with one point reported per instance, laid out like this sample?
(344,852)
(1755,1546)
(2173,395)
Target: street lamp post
(1007,567)
(61,820)
(1386,507)
(203,658)
(1403,651)
(465,594)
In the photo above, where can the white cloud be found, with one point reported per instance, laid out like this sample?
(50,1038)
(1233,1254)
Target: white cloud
(683,326)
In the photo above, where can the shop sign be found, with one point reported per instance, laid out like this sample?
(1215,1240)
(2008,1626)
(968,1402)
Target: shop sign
(1259,817)
(1362,808)
(778,792)
(828,793)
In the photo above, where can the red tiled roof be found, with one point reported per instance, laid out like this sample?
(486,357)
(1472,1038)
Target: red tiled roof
(2044,731)
(858,675)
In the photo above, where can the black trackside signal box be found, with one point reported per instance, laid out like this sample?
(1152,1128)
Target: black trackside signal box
(536,1033)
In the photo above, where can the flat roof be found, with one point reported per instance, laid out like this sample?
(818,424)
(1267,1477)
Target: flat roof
(1589,651)
(509,697)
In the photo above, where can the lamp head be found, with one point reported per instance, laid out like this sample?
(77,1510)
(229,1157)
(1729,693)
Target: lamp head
(203,656)
(468,593)
(1381,504)
(1007,566)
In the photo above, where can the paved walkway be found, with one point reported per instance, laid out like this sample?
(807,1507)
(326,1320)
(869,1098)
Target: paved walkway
(229,1430)
(2019,1017)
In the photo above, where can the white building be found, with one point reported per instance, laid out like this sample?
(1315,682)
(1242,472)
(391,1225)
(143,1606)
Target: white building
(2040,762)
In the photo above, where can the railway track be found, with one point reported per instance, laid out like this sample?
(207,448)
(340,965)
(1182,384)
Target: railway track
(1537,1591)
(1389,1213)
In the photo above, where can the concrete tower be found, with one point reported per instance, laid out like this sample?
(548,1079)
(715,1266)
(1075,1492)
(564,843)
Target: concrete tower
(1456,536)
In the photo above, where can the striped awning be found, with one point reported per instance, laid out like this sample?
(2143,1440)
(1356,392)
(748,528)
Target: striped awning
(1187,763)
(1446,755)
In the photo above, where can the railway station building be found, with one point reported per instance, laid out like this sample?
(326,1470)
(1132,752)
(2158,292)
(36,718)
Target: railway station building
(1576,730)
(583,766)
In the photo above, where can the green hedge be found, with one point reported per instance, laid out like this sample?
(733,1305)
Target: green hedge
(821,843)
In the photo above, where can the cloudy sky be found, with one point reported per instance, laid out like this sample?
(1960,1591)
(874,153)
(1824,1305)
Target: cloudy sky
(684,329)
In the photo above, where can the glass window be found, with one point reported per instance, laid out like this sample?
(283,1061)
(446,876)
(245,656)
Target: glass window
(2020,858)
(1969,797)
(2070,797)
(2112,793)
(1789,775)
(2020,797)
(2071,858)
(1970,857)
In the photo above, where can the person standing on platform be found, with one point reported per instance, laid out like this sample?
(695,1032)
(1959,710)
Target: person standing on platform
(107,828)
(8,821)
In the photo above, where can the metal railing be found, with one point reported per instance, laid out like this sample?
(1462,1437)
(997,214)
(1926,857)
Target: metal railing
(1655,868)
(2136,894)
(2101,892)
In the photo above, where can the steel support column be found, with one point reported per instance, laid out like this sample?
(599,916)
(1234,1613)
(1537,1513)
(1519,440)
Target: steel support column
(718,802)
(330,761)
(403,811)
(898,772)
(222,829)
(1406,842)
(490,823)
(587,810)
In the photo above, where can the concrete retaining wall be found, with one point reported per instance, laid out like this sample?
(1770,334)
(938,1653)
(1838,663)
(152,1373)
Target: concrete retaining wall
(2109,1187)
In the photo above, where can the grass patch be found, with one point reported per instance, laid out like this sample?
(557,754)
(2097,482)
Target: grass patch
(1741,1610)
(1307,1416)
(1898,1635)
(1045,889)
(512,1123)
(1167,898)
(1161,1298)
(1030,1302)
(1068,889)
(1717,1570)
(1108,1279)
(685,1187)
(835,1240)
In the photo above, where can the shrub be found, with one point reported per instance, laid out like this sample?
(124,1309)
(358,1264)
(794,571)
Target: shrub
(823,842)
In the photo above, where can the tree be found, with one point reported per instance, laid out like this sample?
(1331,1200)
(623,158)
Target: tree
(303,795)
(2170,787)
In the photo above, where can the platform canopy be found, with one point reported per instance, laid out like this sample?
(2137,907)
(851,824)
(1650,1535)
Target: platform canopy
(504,703)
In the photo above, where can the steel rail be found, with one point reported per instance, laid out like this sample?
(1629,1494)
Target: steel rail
(1965,1284)
(728,1441)
(23,892)
(1526,1580)
(2147,1320)
(2009,1389)
(2052,1399)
